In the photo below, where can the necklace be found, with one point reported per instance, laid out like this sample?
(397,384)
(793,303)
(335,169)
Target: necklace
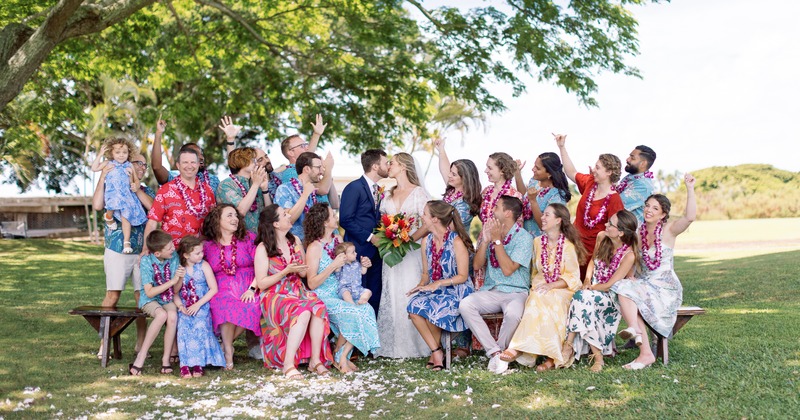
(591,223)
(436,256)
(489,203)
(160,279)
(254,206)
(627,180)
(330,247)
(188,291)
(603,271)
(201,209)
(299,189)
(229,269)
(453,196)
(492,257)
(653,263)
(554,274)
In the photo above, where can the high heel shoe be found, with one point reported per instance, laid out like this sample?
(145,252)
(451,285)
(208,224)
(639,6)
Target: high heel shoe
(627,333)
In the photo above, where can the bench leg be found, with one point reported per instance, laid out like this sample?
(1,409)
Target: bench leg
(117,346)
(448,345)
(105,323)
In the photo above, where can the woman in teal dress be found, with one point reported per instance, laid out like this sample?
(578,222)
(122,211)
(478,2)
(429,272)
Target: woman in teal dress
(353,324)
(445,278)
(244,187)
(547,186)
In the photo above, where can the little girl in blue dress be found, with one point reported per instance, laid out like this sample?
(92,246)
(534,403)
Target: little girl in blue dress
(119,200)
(197,345)
(350,275)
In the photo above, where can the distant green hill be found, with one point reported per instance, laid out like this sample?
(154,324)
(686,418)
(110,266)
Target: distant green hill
(751,191)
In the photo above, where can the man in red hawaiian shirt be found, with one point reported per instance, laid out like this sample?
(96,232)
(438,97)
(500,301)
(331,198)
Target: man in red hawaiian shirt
(181,204)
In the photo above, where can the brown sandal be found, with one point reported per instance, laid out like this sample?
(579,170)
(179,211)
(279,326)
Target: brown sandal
(507,356)
(287,373)
(546,365)
(316,369)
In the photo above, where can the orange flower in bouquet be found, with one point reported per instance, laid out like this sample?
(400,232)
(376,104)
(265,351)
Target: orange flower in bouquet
(394,238)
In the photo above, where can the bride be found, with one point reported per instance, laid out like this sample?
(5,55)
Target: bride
(398,336)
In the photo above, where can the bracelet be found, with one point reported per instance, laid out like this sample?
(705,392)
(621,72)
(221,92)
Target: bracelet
(252,289)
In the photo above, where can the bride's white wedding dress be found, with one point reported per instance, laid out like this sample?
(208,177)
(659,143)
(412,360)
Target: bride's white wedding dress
(398,336)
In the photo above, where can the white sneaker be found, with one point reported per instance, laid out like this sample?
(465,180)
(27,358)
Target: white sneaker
(501,366)
(255,353)
(493,362)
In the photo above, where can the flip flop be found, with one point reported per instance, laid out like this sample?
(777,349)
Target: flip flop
(133,368)
(167,370)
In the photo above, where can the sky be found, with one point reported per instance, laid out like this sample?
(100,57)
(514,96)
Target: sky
(719,88)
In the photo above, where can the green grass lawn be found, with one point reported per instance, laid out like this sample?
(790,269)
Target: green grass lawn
(740,360)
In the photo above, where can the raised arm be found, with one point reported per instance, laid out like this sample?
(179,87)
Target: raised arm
(159,171)
(518,180)
(324,185)
(569,167)
(679,226)
(333,197)
(99,163)
(231,131)
(98,199)
(444,162)
(319,128)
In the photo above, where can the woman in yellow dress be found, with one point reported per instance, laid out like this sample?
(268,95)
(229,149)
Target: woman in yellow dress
(554,280)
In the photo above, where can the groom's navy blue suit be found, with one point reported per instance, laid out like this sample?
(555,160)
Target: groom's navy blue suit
(359,216)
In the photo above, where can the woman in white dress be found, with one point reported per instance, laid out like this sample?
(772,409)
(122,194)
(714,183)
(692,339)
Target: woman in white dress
(398,336)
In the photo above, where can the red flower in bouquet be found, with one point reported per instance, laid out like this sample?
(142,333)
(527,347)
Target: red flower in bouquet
(394,238)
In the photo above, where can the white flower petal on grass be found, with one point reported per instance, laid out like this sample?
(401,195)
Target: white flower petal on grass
(591,388)
(495,405)
(468,391)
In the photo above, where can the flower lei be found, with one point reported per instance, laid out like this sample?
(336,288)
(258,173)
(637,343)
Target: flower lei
(492,257)
(189,292)
(603,271)
(555,274)
(204,177)
(190,207)
(453,196)
(160,279)
(299,189)
(292,258)
(591,223)
(436,256)
(488,203)
(254,206)
(331,246)
(654,263)
(626,181)
(230,269)
(543,192)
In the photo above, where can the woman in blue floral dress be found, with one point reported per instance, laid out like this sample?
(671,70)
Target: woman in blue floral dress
(547,186)
(445,278)
(353,324)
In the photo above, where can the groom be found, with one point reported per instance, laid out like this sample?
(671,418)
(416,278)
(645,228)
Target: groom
(359,216)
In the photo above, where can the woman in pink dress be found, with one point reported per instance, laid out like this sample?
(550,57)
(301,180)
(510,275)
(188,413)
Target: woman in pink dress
(295,322)
(229,250)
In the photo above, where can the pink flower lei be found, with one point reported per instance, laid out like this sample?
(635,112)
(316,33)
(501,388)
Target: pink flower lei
(625,181)
(654,263)
(603,271)
(453,196)
(489,203)
(330,247)
(254,206)
(294,253)
(436,256)
(299,189)
(160,279)
(189,292)
(591,223)
(553,275)
(229,269)
(492,257)
(199,211)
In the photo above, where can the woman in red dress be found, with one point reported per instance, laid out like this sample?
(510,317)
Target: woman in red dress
(598,201)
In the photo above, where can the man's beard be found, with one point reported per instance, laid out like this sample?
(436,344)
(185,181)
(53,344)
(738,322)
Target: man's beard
(384,174)
(268,168)
(631,169)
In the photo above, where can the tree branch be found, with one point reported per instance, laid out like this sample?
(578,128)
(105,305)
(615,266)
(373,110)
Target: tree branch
(428,15)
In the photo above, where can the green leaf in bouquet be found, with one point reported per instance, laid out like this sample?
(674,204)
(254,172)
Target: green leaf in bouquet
(392,259)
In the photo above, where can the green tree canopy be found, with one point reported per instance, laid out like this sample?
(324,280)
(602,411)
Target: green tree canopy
(368,66)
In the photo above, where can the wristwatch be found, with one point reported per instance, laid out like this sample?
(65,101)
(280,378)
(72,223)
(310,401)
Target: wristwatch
(498,242)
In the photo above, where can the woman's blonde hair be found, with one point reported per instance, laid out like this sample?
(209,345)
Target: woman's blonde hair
(411,170)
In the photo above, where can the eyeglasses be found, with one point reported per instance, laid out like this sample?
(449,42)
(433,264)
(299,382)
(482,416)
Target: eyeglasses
(612,225)
(303,145)
(140,164)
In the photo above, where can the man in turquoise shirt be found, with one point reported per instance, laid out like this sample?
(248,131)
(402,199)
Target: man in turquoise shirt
(505,250)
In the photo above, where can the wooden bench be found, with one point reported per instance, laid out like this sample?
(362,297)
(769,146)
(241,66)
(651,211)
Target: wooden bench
(447,336)
(109,322)
(685,314)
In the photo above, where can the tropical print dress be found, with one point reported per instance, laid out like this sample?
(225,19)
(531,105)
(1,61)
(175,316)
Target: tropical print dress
(355,322)
(440,306)
(197,344)
(658,293)
(282,303)
(594,318)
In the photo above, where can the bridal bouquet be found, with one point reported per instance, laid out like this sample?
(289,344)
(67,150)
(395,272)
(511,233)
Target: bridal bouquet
(394,238)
